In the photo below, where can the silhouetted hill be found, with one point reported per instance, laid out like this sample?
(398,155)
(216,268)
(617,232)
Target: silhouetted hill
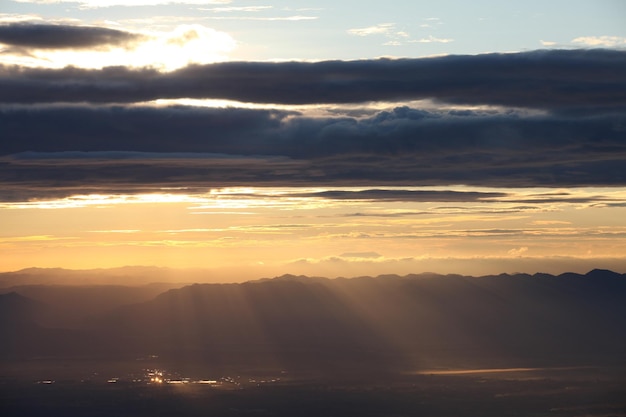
(388,322)
(69,306)
(15,308)
(22,336)
(331,325)
(268,324)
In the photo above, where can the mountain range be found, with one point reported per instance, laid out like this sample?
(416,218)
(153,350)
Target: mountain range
(312,324)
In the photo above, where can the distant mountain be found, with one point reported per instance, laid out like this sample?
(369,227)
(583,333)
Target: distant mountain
(22,336)
(388,322)
(129,275)
(70,305)
(15,308)
(330,325)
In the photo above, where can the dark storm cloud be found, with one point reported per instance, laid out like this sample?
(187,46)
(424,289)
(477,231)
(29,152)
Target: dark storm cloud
(46,36)
(61,148)
(552,80)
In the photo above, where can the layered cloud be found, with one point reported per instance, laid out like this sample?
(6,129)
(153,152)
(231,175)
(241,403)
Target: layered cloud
(544,79)
(572,131)
(551,80)
(134,148)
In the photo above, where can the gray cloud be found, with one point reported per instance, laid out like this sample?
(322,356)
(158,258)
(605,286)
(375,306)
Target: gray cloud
(406,195)
(450,210)
(47,36)
(404,134)
(55,148)
(563,80)
(51,149)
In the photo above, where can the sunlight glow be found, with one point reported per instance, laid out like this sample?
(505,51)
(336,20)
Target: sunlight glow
(165,51)
(103,200)
(531,200)
(321,230)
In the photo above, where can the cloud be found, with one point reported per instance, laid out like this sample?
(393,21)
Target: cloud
(380,29)
(432,39)
(44,45)
(448,210)
(405,195)
(54,148)
(518,251)
(601,41)
(431,22)
(46,36)
(125,3)
(361,255)
(228,9)
(577,139)
(388,30)
(550,222)
(293,18)
(556,80)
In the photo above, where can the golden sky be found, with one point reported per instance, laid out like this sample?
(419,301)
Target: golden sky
(244,233)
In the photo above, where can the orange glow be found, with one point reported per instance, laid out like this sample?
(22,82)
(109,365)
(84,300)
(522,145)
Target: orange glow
(245,233)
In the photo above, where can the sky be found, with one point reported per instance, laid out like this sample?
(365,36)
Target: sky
(256,138)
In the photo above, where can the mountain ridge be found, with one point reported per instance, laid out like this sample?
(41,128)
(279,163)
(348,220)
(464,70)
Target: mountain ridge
(384,322)
(388,320)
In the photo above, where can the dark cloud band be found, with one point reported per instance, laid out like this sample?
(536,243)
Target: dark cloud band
(405,195)
(138,148)
(551,80)
(45,36)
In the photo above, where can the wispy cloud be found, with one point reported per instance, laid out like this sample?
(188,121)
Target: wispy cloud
(518,251)
(122,231)
(432,39)
(380,29)
(399,37)
(32,239)
(361,255)
(550,222)
(11,18)
(229,9)
(388,30)
(601,41)
(268,18)
(431,22)
(125,3)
